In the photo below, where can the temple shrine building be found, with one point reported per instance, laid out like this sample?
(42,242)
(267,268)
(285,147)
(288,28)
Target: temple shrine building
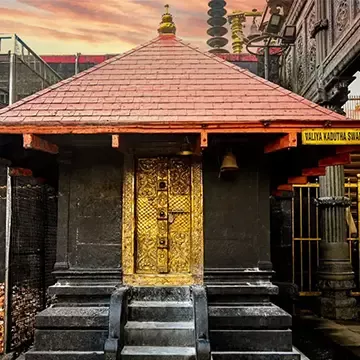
(165,158)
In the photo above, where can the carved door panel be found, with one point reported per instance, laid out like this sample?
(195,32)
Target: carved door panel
(163,216)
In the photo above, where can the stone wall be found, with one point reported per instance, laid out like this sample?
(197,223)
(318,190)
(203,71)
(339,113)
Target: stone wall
(236,212)
(95,209)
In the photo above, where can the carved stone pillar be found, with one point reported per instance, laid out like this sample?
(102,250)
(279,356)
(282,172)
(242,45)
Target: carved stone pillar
(335,274)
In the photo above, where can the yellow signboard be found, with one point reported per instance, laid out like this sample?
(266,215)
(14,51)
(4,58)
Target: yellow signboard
(331,137)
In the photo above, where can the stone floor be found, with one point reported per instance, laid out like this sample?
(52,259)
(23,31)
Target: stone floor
(341,338)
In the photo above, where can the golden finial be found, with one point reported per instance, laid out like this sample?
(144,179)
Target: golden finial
(167,25)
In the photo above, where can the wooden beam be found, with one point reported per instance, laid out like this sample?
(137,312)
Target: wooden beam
(298,180)
(285,187)
(347,149)
(318,171)
(340,159)
(115,141)
(34,142)
(118,142)
(197,147)
(284,142)
(20,172)
(203,139)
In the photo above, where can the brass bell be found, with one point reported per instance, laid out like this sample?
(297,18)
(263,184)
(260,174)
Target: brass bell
(186,148)
(229,163)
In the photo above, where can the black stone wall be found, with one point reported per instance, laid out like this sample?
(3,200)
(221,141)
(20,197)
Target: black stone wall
(95,209)
(236,212)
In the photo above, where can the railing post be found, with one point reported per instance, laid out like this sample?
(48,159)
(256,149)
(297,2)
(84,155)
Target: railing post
(12,73)
(117,319)
(202,341)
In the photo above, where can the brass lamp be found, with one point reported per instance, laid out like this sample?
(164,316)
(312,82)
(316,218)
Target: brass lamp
(229,163)
(185,149)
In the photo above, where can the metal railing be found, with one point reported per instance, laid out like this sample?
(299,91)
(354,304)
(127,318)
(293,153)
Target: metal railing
(23,71)
(306,238)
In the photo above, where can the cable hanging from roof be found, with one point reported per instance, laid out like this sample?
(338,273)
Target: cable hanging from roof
(217,31)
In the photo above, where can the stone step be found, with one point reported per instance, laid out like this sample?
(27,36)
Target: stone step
(167,293)
(73,317)
(248,317)
(70,340)
(160,311)
(242,289)
(251,340)
(64,355)
(241,355)
(157,352)
(159,333)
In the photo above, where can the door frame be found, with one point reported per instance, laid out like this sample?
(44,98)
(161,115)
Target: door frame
(129,226)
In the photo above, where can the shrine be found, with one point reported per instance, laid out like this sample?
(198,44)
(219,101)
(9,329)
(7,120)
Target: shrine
(165,159)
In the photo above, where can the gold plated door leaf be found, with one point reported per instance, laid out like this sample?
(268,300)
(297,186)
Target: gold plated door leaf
(180,209)
(164,245)
(163,212)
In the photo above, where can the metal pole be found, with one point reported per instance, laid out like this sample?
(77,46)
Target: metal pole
(266,61)
(77,63)
(12,74)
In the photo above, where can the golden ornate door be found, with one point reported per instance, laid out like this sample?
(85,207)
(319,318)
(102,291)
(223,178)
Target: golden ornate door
(164,244)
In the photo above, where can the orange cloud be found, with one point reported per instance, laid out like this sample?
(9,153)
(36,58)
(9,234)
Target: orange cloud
(110,26)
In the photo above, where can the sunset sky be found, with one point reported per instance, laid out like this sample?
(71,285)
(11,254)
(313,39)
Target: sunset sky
(104,26)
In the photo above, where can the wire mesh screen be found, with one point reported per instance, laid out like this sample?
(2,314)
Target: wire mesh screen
(50,209)
(32,255)
(27,81)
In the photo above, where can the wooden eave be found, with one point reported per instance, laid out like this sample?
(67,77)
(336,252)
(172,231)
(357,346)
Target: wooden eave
(174,127)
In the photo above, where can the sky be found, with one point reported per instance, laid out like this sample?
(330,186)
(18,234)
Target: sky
(105,26)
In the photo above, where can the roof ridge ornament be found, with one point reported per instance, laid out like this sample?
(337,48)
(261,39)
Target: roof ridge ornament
(167,25)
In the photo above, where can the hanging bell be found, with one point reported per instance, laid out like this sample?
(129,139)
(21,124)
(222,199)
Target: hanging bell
(229,163)
(254,31)
(185,149)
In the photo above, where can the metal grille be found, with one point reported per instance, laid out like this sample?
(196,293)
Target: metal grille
(352,107)
(31,257)
(305,235)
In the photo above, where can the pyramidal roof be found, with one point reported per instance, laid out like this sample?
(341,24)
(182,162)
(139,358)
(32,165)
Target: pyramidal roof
(165,81)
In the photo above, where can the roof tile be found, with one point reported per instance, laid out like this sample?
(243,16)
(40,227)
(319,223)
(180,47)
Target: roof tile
(164,80)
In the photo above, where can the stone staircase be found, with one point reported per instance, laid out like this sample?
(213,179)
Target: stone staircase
(244,324)
(70,333)
(160,324)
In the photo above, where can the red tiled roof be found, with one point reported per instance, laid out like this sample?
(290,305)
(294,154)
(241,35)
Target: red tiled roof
(165,81)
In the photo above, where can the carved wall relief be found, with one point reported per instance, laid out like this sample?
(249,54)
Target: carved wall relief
(311,43)
(341,20)
(300,60)
(288,83)
(357,7)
